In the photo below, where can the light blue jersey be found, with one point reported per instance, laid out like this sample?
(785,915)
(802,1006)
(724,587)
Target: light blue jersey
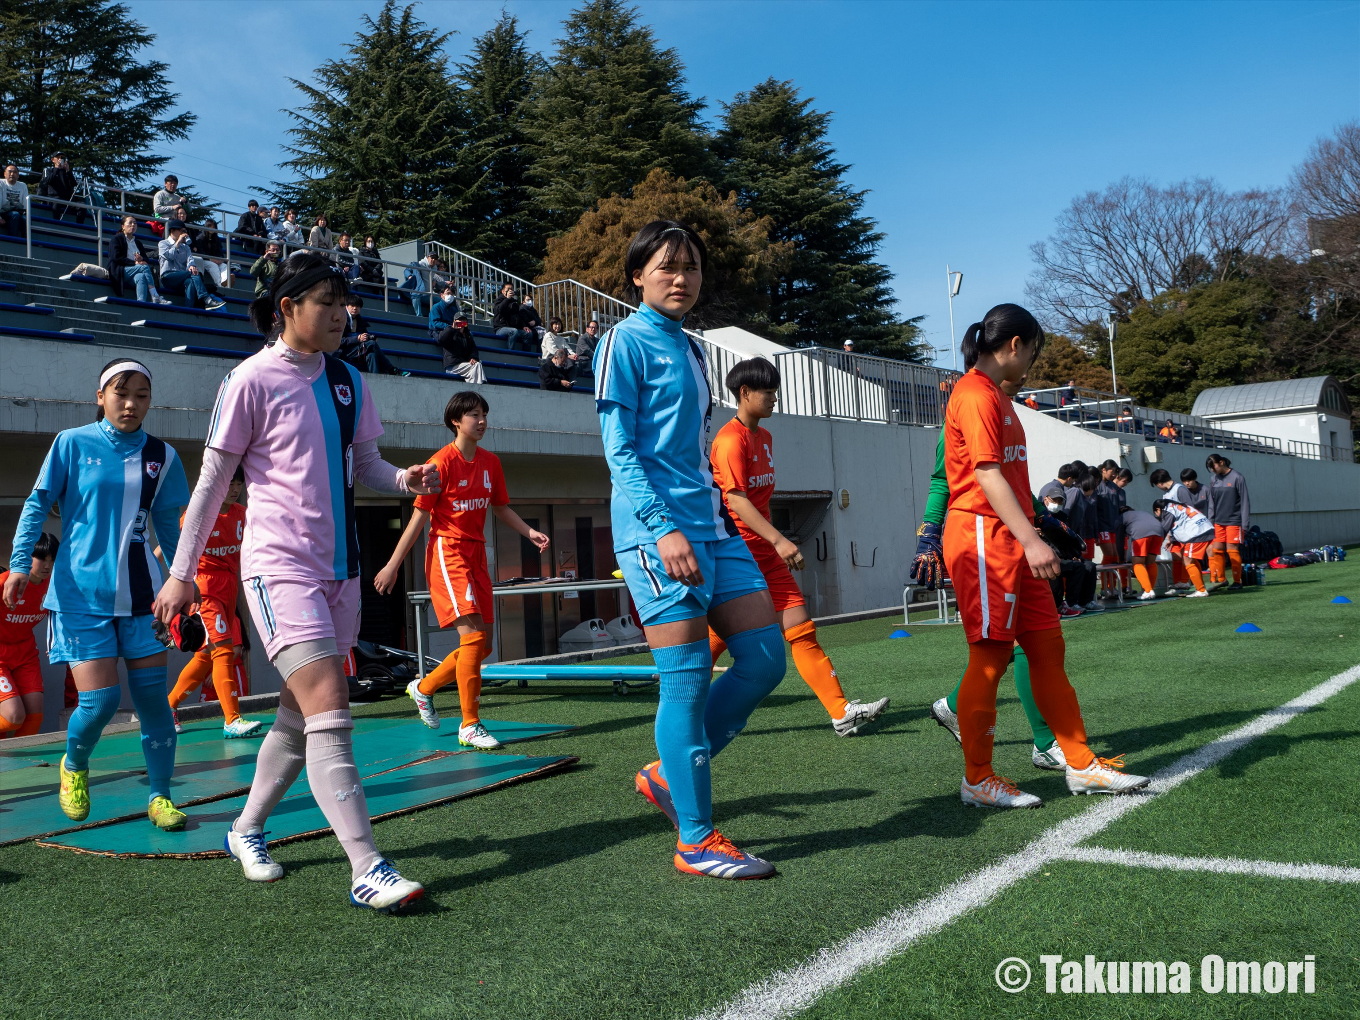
(655,405)
(109,484)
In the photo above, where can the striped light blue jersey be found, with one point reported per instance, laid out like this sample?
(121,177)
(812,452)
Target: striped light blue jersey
(655,405)
(109,485)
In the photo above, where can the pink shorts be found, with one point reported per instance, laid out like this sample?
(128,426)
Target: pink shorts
(290,610)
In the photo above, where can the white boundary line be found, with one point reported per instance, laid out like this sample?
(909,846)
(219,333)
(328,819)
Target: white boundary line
(793,990)
(1220,865)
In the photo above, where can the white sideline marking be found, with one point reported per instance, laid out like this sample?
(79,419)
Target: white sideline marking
(790,991)
(1221,865)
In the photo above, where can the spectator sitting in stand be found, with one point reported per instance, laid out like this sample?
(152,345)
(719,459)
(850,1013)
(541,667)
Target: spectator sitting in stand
(1168,433)
(266,267)
(320,235)
(444,311)
(1069,394)
(370,272)
(359,347)
(529,318)
(420,281)
(210,253)
(169,205)
(251,223)
(461,356)
(179,275)
(292,229)
(275,228)
(59,182)
(505,321)
(555,373)
(130,263)
(585,347)
(13,192)
(347,258)
(554,338)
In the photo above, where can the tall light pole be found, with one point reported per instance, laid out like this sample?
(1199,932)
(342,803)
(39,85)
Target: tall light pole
(1114,380)
(953,281)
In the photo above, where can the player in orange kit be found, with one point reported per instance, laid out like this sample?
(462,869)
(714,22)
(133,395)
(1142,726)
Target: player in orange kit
(455,561)
(743,468)
(1000,566)
(21,685)
(219,582)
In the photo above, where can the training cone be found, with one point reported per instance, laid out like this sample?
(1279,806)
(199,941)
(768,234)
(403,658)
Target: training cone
(1248,628)
(899,633)
(1341,600)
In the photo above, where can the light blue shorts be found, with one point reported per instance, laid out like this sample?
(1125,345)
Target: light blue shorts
(77,637)
(729,571)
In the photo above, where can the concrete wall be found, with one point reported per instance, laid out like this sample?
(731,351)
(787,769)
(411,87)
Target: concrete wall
(1301,426)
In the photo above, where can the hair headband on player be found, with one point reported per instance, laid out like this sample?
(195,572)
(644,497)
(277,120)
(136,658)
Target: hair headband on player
(305,281)
(119,368)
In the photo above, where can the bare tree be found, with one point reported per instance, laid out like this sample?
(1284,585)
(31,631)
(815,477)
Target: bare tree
(1116,248)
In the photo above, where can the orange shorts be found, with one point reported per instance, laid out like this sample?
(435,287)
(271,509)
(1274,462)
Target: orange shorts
(998,596)
(20,670)
(1228,533)
(220,621)
(1145,546)
(460,584)
(784,589)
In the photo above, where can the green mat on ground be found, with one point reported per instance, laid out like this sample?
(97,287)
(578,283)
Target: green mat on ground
(391,792)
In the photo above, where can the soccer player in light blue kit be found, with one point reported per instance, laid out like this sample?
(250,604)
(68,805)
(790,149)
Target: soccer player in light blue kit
(686,566)
(111,479)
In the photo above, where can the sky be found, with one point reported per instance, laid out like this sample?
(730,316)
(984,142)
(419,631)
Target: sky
(970,125)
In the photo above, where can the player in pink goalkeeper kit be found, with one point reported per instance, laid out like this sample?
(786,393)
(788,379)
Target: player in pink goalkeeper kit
(303,427)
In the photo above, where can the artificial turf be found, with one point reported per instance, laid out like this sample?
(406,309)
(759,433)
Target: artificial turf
(557,898)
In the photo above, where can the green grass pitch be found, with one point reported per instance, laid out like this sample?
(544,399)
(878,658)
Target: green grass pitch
(557,898)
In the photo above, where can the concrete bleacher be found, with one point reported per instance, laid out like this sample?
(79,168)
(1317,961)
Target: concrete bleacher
(41,298)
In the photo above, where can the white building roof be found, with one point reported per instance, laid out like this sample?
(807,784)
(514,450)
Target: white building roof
(1321,392)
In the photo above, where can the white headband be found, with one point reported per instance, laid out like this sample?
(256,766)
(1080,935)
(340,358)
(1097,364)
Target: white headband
(120,368)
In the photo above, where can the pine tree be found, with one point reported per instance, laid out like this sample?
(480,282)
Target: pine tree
(379,147)
(499,86)
(777,159)
(71,80)
(614,107)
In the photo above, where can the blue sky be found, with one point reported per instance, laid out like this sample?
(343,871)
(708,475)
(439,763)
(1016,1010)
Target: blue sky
(972,125)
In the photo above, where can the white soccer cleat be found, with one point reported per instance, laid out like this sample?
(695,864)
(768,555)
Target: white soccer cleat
(381,888)
(174,714)
(429,715)
(997,791)
(1198,595)
(241,728)
(249,848)
(941,714)
(857,713)
(1052,760)
(1103,776)
(1147,596)
(479,737)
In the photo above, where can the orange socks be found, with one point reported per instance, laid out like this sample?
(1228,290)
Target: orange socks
(31,725)
(1178,572)
(1144,575)
(1235,558)
(815,667)
(8,728)
(1196,575)
(442,675)
(471,649)
(716,645)
(224,682)
(1218,565)
(198,669)
(1053,694)
(987,660)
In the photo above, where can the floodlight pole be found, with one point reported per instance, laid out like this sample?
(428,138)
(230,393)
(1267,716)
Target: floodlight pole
(952,288)
(1114,381)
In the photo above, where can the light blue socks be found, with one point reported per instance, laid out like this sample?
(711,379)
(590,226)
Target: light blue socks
(152,702)
(758,666)
(680,740)
(87,722)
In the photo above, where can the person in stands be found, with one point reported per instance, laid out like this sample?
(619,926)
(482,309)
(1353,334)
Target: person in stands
(168,204)
(179,275)
(505,321)
(130,263)
(555,373)
(13,202)
(359,346)
(251,223)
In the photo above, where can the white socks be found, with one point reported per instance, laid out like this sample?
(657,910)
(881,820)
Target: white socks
(282,755)
(335,783)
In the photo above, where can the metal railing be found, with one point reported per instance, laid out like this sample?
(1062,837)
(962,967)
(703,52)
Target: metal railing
(828,383)
(1319,451)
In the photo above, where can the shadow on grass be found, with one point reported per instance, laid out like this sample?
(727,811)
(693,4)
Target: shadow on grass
(1275,745)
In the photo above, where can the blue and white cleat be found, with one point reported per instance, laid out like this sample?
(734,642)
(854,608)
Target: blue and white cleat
(249,848)
(429,715)
(718,857)
(651,784)
(382,889)
(241,728)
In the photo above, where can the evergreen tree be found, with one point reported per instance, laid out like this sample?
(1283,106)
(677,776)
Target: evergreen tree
(379,144)
(777,159)
(614,107)
(499,85)
(71,80)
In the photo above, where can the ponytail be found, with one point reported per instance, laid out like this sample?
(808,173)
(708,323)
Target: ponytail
(996,329)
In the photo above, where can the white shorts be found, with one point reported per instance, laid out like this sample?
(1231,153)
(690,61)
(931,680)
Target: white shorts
(291,610)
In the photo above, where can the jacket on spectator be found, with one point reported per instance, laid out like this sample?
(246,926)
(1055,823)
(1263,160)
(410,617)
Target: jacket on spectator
(555,341)
(370,272)
(209,244)
(320,237)
(505,313)
(174,257)
(264,269)
(57,182)
(346,257)
(12,195)
(275,230)
(442,314)
(458,346)
(121,254)
(356,326)
(551,377)
(169,205)
(529,318)
(251,223)
(292,232)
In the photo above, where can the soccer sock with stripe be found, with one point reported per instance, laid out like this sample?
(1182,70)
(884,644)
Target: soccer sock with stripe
(1043,736)
(1196,575)
(758,664)
(442,675)
(471,649)
(1053,693)
(814,666)
(336,787)
(147,687)
(987,660)
(1144,575)
(282,754)
(195,671)
(680,741)
(224,682)
(93,712)
(1235,558)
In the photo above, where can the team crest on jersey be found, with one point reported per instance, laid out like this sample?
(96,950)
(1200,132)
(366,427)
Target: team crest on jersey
(153,468)
(343,394)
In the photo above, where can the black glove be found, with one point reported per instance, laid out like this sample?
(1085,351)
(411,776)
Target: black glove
(1066,542)
(927,568)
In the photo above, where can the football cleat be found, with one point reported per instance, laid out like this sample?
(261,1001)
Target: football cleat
(1198,595)
(164,814)
(382,888)
(429,715)
(241,728)
(1147,596)
(250,850)
(1103,775)
(856,715)
(996,791)
(74,794)
(174,714)
(941,714)
(1053,759)
(650,783)
(717,857)
(479,737)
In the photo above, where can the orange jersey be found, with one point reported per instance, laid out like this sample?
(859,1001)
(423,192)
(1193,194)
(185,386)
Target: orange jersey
(467,490)
(983,427)
(219,568)
(16,625)
(743,461)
